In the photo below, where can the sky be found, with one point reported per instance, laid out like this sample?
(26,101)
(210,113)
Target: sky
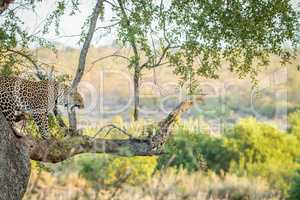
(71,25)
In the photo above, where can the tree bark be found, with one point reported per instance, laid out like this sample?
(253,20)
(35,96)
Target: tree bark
(136,82)
(14,163)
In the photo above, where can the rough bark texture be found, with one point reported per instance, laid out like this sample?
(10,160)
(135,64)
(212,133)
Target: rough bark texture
(59,150)
(14,163)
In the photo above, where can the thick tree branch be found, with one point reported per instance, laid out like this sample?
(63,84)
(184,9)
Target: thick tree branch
(60,150)
(167,124)
(54,151)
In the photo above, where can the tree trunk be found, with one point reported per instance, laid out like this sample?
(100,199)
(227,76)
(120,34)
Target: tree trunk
(14,163)
(136,65)
(136,80)
(82,61)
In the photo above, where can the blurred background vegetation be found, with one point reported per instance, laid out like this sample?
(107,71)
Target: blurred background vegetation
(252,156)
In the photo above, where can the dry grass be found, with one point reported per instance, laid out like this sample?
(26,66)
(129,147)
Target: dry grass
(170,185)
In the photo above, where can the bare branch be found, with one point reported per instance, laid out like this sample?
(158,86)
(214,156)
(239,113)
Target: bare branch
(105,57)
(109,56)
(66,36)
(110,3)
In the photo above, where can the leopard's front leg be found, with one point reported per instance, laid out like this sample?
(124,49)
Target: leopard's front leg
(41,120)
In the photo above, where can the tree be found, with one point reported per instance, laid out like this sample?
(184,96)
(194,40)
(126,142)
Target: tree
(195,37)
(14,164)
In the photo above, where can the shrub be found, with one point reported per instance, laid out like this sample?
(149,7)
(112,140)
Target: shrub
(104,170)
(251,149)
(263,151)
(195,150)
(54,129)
(294,123)
(294,193)
(182,152)
(232,187)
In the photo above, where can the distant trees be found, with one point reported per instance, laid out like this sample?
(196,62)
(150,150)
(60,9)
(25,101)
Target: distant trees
(195,37)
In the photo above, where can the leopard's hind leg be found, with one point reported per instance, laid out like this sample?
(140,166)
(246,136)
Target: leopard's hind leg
(10,117)
(8,110)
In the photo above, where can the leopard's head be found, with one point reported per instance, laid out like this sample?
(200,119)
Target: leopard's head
(66,99)
(78,101)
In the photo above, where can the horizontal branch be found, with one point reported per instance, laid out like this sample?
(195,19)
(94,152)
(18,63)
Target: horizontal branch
(58,150)
(55,151)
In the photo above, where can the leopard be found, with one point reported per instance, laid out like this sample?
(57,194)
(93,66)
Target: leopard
(20,98)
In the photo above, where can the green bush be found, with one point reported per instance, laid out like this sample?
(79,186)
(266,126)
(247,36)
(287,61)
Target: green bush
(251,149)
(106,171)
(194,151)
(54,129)
(294,193)
(294,123)
(263,151)
(182,152)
